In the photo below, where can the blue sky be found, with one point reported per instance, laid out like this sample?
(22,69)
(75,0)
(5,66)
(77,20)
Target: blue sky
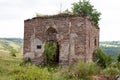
(14,12)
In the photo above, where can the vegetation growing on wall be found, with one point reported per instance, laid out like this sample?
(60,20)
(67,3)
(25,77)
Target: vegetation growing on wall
(50,50)
(80,8)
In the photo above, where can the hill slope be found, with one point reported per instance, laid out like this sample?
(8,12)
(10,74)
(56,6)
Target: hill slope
(110,47)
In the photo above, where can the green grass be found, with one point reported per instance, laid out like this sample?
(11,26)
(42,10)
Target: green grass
(13,68)
(8,64)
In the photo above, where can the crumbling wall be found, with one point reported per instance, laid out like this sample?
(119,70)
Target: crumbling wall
(77,39)
(75,35)
(92,39)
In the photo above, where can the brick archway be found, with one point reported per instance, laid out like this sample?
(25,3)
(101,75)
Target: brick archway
(51,36)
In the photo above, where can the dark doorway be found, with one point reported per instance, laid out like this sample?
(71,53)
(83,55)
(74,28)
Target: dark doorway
(56,56)
(51,37)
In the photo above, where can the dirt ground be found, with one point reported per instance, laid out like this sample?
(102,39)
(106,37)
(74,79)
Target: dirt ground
(103,77)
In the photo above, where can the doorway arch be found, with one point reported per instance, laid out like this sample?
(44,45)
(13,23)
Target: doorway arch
(51,34)
(51,37)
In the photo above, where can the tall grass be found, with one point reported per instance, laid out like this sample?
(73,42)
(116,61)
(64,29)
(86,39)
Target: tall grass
(81,71)
(86,69)
(31,73)
(13,68)
(113,69)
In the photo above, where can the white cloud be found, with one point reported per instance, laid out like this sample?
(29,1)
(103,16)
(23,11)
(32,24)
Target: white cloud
(13,13)
(11,28)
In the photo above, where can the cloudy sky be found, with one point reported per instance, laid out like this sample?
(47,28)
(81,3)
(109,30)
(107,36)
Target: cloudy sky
(14,12)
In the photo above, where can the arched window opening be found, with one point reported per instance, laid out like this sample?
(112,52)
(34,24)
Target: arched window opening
(51,34)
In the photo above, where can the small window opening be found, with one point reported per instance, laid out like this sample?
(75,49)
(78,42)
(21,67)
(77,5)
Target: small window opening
(95,42)
(39,46)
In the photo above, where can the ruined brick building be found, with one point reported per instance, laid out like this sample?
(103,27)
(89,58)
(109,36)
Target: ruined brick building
(76,36)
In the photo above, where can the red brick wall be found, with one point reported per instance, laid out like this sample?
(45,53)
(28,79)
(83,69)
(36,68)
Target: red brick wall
(77,33)
(92,39)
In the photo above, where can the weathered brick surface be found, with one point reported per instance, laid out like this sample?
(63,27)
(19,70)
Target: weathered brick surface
(76,35)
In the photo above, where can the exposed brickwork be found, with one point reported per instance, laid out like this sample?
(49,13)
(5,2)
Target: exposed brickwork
(77,38)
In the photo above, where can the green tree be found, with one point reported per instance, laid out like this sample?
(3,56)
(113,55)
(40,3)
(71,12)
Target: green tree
(85,8)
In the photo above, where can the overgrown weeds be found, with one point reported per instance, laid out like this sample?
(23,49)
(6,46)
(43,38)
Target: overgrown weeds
(12,68)
(82,70)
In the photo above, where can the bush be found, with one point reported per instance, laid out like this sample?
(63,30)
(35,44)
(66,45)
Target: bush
(50,50)
(86,69)
(101,58)
(118,57)
(115,65)
(13,52)
(93,68)
(111,71)
(82,71)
